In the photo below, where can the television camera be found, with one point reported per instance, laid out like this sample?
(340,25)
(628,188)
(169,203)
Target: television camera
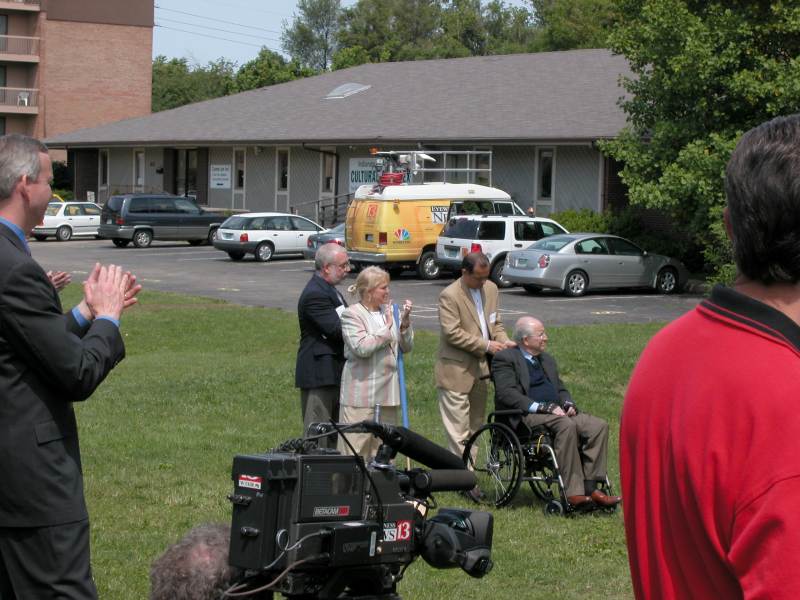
(312,523)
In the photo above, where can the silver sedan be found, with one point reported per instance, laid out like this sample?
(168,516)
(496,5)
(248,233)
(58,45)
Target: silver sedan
(578,262)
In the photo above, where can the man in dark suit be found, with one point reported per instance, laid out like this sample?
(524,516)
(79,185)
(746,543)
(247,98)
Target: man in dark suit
(48,360)
(526,377)
(320,358)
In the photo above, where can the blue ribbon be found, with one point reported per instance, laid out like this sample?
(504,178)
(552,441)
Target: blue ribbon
(401,368)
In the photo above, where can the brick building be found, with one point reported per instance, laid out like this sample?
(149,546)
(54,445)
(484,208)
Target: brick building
(67,65)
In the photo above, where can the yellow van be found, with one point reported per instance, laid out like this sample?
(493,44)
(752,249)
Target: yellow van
(396,226)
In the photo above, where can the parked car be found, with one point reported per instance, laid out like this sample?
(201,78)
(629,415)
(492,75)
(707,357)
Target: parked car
(265,234)
(142,218)
(334,234)
(579,262)
(494,235)
(67,219)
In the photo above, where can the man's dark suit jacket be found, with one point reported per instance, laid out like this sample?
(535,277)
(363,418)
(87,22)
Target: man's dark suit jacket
(512,380)
(320,358)
(47,362)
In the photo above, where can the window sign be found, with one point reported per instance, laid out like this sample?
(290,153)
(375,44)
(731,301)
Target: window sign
(220,177)
(362,172)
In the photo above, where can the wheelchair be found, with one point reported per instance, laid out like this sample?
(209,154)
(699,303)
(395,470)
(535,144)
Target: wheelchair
(503,457)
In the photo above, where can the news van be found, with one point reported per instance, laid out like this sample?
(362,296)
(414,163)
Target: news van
(395,225)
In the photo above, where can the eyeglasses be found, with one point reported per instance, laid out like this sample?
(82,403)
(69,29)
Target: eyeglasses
(344,265)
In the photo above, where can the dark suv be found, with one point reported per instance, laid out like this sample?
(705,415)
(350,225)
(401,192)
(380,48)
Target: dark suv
(142,218)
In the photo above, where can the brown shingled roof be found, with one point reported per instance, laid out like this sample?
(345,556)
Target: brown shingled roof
(543,97)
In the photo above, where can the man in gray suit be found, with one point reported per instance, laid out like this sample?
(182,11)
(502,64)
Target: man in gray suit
(526,377)
(48,360)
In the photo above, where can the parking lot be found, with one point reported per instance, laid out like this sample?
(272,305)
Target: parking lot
(205,271)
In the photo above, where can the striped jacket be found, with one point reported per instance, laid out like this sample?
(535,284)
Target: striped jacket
(370,374)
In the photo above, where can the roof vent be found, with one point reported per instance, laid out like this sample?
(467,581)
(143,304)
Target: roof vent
(345,90)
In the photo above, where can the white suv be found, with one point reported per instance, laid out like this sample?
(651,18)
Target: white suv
(494,235)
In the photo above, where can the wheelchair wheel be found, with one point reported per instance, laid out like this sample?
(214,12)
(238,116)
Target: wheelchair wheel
(554,508)
(545,486)
(494,454)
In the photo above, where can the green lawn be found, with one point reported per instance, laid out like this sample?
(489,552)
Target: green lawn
(204,380)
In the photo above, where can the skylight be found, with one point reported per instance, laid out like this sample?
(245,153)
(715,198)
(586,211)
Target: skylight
(345,90)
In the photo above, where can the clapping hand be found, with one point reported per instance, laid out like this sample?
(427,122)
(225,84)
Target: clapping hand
(132,290)
(405,314)
(108,291)
(59,279)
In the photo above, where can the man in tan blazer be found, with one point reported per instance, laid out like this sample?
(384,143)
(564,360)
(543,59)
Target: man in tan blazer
(471,329)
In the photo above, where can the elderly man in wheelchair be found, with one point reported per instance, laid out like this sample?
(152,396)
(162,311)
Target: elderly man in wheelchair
(533,407)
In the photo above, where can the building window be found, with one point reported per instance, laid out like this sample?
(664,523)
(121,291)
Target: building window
(546,174)
(103,168)
(186,175)
(482,163)
(238,169)
(138,167)
(2,125)
(283,170)
(328,172)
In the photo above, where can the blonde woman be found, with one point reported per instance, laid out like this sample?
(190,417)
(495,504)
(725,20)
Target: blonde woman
(371,342)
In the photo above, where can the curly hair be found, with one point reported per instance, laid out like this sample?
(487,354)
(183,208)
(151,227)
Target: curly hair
(194,568)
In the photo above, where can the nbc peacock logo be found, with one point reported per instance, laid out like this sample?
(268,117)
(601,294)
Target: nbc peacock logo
(402,234)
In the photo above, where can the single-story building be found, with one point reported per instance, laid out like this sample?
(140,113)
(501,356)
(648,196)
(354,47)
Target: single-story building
(306,143)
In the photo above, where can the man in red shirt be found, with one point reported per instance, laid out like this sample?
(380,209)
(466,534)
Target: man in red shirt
(710,427)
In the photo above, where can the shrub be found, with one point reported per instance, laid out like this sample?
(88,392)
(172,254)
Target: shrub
(583,220)
(653,230)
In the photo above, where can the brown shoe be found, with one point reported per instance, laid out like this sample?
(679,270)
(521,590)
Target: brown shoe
(602,499)
(579,501)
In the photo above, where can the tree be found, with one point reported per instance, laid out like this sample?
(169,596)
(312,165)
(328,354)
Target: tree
(175,83)
(311,39)
(509,30)
(417,29)
(389,30)
(462,20)
(705,72)
(570,24)
(268,68)
(349,57)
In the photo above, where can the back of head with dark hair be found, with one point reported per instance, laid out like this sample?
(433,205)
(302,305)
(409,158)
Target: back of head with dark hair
(195,568)
(762,184)
(474,259)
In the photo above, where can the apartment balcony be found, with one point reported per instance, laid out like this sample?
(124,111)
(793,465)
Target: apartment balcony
(19,101)
(23,5)
(17,48)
